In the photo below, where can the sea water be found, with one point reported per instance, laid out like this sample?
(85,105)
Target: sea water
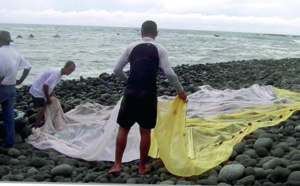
(96,50)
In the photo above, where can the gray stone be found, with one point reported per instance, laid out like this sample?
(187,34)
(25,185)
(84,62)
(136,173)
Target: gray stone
(279,174)
(248,180)
(297,128)
(232,172)
(162,170)
(278,152)
(38,177)
(294,167)
(239,147)
(263,142)
(249,163)
(207,182)
(106,96)
(223,184)
(64,170)
(182,182)
(259,173)
(283,145)
(18,139)
(168,182)
(22,157)
(38,162)
(89,178)
(242,157)
(233,154)
(294,178)
(14,161)
(4,170)
(8,177)
(32,171)
(13,152)
(19,177)
(262,152)
(251,153)
(131,181)
(218,168)
(158,164)
(296,81)
(291,141)
(259,132)
(292,153)
(68,161)
(296,157)
(250,171)
(127,170)
(274,137)
(275,162)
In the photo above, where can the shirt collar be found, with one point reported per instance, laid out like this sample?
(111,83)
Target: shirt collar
(5,46)
(147,39)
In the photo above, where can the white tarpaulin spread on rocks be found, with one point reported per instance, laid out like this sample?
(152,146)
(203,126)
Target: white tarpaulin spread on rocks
(89,131)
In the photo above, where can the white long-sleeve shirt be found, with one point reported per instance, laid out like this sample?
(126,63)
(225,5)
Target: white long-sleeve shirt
(163,63)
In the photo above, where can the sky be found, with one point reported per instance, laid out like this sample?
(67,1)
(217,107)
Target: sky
(255,16)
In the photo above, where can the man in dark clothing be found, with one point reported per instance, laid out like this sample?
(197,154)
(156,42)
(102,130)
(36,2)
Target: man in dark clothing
(139,102)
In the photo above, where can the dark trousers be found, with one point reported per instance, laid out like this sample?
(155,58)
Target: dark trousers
(7,100)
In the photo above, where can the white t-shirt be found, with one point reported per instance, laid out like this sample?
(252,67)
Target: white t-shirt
(10,63)
(50,77)
(163,63)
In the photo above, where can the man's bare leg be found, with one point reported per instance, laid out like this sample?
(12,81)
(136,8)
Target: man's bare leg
(144,149)
(120,148)
(39,116)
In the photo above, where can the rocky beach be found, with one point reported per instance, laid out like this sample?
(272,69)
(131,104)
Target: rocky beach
(268,156)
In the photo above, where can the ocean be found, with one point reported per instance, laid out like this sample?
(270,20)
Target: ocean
(96,50)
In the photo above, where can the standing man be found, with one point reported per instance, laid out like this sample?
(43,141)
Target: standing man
(43,87)
(10,63)
(139,102)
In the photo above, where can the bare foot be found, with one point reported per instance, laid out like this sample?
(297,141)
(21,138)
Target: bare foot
(115,169)
(144,170)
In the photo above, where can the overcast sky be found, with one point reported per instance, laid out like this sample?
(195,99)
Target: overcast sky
(259,16)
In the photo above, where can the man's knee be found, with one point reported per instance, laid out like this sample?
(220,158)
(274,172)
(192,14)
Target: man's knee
(145,132)
(123,130)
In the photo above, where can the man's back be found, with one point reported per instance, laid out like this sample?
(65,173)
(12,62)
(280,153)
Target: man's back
(11,63)
(50,77)
(144,63)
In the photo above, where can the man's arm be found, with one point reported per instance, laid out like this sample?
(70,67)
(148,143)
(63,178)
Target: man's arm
(171,76)
(24,75)
(118,70)
(46,92)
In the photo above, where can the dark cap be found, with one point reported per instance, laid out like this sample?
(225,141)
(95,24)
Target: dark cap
(4,35)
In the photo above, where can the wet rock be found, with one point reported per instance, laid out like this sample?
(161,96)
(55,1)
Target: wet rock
(62,170)
(294,178)
(263,142)
(13,152)
(232,172)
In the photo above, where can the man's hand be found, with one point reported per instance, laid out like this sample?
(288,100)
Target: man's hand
(53,94)
(182,95)
(49,101)
(19,82)
(22,78)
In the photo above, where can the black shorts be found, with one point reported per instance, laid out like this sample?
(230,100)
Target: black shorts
(38,102)
(138,106)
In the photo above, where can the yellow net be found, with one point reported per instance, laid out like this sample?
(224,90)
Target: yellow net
(192,146)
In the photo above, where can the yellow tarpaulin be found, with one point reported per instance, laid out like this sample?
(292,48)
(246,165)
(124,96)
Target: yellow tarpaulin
(192,146)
